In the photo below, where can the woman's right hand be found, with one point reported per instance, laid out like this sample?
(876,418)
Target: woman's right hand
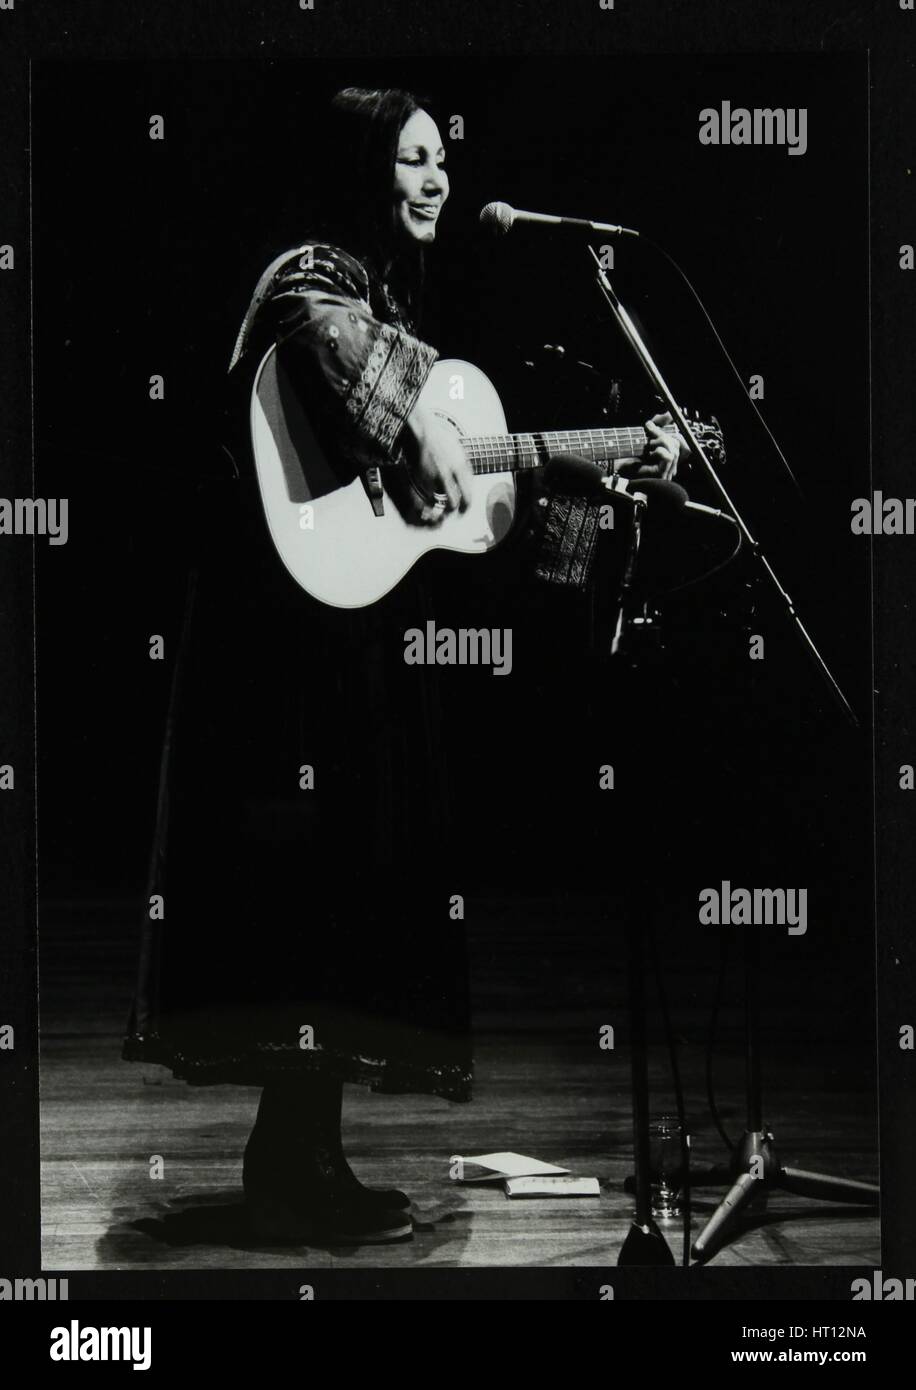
(440,471)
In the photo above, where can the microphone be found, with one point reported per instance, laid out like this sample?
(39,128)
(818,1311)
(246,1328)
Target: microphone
(667,495)
(579,477)
(501,218)
(574,475)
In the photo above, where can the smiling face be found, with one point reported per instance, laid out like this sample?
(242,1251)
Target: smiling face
(420,180)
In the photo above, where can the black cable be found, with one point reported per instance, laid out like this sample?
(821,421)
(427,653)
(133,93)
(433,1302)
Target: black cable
(711,1042)
(678,1089)
(689,583)
(647,241)
(676,1073)
(717,1001)
(663,1002)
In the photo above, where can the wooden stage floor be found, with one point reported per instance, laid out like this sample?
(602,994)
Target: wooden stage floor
(103,1119)
(541,1088)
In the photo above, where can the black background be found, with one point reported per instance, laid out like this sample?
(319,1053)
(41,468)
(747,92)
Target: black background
(145,256)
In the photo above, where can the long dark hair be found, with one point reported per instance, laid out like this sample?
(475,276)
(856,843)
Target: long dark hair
(355,190)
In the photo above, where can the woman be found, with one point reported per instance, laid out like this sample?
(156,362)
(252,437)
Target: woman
(299,935)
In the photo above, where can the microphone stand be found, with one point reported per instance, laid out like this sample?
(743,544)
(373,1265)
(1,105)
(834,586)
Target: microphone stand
(644,1244)
(755,1168)
(631,333)
(637,518)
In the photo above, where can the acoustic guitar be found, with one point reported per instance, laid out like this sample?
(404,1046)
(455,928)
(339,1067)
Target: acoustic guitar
(349,544)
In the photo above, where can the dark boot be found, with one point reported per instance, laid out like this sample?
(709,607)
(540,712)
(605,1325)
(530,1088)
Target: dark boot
(384,1196)
(298,1185)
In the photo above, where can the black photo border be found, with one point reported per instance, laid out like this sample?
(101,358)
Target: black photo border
(160,29)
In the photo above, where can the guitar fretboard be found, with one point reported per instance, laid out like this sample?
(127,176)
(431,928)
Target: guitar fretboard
(501,453)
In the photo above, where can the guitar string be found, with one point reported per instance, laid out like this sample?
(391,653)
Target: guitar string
(492,453)
(512,443)
(501,453)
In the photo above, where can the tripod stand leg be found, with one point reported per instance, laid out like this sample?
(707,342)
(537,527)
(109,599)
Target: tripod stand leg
(755,1163)
(828,1189)
(741,1194)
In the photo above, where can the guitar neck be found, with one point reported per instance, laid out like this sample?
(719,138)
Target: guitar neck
(511,453)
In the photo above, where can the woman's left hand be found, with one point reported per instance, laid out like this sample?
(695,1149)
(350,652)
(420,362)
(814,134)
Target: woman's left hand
(665,449)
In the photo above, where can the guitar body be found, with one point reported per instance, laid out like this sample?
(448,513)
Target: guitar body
(330,537)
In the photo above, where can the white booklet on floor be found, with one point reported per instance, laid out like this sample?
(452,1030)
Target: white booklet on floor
(552,1185)
(497,1167)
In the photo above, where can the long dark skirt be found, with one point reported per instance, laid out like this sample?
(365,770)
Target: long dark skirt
(301,928)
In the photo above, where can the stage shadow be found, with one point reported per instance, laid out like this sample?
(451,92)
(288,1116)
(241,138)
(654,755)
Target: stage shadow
(197,1223)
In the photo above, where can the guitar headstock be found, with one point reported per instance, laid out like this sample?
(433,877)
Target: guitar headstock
(709,436)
